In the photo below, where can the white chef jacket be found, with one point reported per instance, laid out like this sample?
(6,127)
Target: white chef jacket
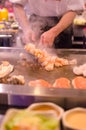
(50,7)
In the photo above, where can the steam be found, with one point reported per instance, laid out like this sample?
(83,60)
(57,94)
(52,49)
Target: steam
(39,25)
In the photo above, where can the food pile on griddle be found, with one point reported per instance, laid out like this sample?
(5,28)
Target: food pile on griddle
(5,70)
(47,60)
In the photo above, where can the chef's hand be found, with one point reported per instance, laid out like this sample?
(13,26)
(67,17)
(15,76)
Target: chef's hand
(47,38)
(28,36)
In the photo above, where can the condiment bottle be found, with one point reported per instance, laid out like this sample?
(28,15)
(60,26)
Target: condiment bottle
(4,14)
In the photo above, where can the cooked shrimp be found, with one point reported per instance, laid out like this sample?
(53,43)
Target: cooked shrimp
(47,60)
(30,48)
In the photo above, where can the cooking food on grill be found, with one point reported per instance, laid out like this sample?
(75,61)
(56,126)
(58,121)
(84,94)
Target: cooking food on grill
(80,70)
(79,82)
(4,80)
(16,79)
(39,83)
(62,83)
(46,59)
(60,62)
(5,69)
(28,120)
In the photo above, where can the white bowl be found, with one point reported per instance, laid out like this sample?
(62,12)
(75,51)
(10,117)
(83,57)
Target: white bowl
(75,119)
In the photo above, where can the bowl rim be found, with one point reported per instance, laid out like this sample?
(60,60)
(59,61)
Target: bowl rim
(60,109)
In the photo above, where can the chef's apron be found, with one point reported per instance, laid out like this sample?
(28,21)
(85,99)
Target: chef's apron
(42,24)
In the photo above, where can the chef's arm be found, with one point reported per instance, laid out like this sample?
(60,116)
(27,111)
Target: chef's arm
(21,16)
(64,22)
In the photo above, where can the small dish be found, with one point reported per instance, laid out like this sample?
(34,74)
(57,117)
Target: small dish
(74,119)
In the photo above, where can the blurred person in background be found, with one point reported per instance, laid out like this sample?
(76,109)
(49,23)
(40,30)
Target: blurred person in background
(47,21)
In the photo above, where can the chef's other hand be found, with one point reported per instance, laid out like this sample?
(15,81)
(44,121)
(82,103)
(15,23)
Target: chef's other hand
(28,36)
(47,38)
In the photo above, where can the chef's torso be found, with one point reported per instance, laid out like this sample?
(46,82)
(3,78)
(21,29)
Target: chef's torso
(50,7)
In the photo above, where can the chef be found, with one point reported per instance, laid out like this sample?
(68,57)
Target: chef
(48,22)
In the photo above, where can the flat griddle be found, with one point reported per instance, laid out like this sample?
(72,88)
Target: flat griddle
(35,72)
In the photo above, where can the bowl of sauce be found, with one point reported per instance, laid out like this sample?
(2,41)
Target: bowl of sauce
(75,119)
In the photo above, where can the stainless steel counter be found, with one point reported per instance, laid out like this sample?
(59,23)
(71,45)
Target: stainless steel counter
(24,95)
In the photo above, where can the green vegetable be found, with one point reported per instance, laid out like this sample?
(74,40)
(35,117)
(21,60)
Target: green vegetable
(30,120)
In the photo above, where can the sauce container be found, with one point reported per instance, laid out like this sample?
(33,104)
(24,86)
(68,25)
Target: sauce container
(74,119)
